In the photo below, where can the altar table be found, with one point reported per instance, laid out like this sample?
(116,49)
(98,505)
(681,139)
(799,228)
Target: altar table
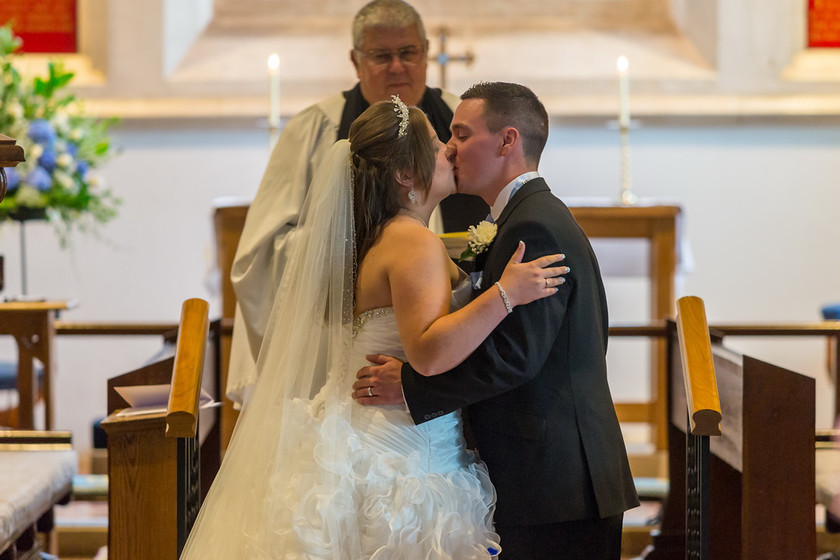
(32,326)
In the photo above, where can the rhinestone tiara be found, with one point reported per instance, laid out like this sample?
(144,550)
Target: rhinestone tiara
(401,109)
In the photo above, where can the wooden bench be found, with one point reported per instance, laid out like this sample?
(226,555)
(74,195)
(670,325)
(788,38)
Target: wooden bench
(153,460)
(761,491)
(36,473)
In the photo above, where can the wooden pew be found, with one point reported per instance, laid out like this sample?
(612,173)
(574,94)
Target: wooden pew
(761,468)
(153,460)
(36,473)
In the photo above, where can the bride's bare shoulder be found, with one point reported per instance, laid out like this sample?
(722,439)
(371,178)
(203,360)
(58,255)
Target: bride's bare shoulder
(408,242)
(404,229)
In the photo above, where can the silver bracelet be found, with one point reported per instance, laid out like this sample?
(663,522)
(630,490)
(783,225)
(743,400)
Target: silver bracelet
(504,298)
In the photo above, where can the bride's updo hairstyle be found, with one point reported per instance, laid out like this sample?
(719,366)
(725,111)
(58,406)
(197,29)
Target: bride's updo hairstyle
(377,153)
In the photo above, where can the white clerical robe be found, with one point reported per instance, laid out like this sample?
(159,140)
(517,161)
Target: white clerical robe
(272,217)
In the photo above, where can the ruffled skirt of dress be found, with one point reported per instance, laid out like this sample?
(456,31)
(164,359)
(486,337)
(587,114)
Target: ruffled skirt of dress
(352,498)
(328,479)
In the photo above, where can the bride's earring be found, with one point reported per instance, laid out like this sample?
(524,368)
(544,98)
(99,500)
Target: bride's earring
(412,195)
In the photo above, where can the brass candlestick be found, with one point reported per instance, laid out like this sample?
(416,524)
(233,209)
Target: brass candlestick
(628,197)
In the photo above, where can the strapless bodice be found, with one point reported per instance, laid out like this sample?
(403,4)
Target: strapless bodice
(440,439)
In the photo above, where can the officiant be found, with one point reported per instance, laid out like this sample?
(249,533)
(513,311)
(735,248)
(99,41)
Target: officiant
(390,57)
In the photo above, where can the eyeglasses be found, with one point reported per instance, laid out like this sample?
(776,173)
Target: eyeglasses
(383,57)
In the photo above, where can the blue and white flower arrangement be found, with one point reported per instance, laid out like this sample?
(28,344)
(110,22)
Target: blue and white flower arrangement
(62,147)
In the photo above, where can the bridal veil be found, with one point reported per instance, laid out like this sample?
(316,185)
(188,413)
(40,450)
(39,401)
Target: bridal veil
(309,334)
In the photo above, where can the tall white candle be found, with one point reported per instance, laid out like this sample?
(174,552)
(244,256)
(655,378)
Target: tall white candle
(274,90)
(623,92)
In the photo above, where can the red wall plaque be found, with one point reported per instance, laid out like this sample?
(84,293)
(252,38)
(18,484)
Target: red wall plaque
(45,26)
(824,23)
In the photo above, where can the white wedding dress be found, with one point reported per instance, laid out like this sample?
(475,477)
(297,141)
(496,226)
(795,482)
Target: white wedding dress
(410,491)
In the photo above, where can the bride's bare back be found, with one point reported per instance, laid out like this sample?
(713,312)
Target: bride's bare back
(407,268)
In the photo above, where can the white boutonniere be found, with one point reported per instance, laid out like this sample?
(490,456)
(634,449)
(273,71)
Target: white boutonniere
(479,239)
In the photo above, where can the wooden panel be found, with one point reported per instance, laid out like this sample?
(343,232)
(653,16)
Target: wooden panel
(142,520)
(32,326)
(228,222)
(729,369)
(762,467)
(114,329)
(778,476)
(157,373)
(623,221)
(10,153)
(635,412)
(153,459)
(657,224)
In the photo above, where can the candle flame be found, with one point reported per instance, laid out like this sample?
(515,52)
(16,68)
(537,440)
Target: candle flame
(274,62)
(622,64)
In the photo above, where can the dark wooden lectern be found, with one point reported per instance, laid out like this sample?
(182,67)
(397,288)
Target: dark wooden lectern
(761,478)
(153,459)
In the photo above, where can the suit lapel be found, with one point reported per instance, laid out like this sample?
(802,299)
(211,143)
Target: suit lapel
(531,187)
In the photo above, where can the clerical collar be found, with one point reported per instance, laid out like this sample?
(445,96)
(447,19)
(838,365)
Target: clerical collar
(508,192)
(432,103)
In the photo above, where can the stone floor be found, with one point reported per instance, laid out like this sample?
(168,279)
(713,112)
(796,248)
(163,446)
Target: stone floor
(82,528)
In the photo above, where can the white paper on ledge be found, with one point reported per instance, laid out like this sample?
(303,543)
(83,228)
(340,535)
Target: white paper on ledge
(153,399)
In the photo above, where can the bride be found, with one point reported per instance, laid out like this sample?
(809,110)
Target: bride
(309,473)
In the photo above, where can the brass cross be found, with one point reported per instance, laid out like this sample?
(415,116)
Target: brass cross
(443,58)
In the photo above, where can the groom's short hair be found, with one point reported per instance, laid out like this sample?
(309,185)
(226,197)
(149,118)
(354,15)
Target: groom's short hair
(515,105)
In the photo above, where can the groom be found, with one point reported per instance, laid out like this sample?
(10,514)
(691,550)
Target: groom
(535,392)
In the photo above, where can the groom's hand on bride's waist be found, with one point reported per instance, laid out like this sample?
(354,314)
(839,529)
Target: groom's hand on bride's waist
(379,383)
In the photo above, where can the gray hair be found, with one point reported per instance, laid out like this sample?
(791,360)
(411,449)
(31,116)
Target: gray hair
(389,14)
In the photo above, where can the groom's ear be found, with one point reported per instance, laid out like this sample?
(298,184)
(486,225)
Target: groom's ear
(404,178)
(510,139)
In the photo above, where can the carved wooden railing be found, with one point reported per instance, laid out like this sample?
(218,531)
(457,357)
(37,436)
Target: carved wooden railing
(704,416)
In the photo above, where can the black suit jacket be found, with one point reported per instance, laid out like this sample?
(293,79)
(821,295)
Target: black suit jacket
(536,392)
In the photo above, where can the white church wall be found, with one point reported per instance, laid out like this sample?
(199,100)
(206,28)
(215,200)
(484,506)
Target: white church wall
(759,204)
(183,21)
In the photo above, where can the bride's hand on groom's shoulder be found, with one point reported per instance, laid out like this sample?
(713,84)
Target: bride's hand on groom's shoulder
(532,280)
(379,383)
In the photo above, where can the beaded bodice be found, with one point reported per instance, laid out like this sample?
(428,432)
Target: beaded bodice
(360,319)
(460,297)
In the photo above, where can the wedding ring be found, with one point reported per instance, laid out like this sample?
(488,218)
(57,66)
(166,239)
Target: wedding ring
(370,391)
(546,283)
